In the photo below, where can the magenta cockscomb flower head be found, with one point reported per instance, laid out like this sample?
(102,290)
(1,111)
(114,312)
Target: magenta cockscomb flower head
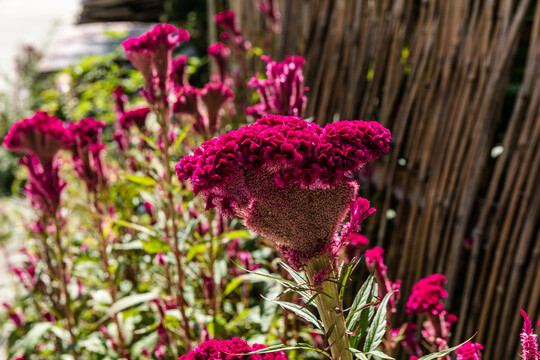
(41,135)
(178,72)
(528,340)
(427,295)
(219,52)
(227,20)
(135,117)
(44,186)
(151,52)
(230,350)
(469,351)
(120,100)
(87,147)
(270,9)
(375,263)
(283,90)
(214,96)
(289,179)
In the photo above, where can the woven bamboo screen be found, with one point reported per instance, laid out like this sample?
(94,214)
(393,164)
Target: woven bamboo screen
(437,73)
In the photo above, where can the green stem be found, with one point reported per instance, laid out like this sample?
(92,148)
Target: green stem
(330,308)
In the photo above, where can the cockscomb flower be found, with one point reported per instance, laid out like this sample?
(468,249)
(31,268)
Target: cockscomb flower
(219,52)
(283,90)
(469,351)
(227,20)
(228,350)
(151,52)
(87,147)
(135,117)
(528,340)
(178,72)
(287,178)
(41,135)
(375,263)
(214,96)
(270,9)
(44,186)
(120,100)
(427,295)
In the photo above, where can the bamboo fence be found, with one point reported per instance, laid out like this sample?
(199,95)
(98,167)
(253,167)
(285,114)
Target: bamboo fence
(438,74)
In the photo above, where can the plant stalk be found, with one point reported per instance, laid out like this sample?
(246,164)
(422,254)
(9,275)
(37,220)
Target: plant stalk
(330,308)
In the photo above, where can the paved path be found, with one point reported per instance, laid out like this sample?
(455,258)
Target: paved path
(34,22)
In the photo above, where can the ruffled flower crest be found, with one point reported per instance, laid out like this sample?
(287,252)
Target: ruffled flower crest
(289,179)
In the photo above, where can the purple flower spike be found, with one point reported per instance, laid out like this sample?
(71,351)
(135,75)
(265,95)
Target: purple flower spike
(285,177)
(427,295)
(283,90)
(41,135)
(226,350)
(528,340)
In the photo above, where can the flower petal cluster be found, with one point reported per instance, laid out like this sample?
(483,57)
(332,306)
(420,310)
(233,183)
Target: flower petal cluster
(469,351)
(375,263)
(232,33)
(427,295)
(135,117)
(219,52)
(178,72)
(203,106)
(44,186)
(41,135)
(227,350)
(283,90)
(151,53)
(86,135)
(289,179)
(528,340)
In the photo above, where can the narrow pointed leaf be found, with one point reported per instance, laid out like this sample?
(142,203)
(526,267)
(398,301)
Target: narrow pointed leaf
(286,348)
(362,298)
(358,354)
(444,352)
(300,311)
(380,354)
(377,328)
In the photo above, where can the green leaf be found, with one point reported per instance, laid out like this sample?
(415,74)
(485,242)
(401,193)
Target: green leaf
(275,348)
(358,354)
(132,245)
(300,311)
(380,354)
(363,297)
(181,137)
(443,352)
(244,234)
(195,250)
(140,180)
(129,301)
(35,334)
(233,285)
(155,246)
(378,326)
(133,226)
(300,281)
(349,269)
